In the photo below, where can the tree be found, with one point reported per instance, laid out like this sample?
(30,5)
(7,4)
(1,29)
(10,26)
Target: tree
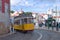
(28,12)
(11,11)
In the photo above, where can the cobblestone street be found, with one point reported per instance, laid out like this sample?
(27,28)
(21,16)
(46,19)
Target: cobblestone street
(22,36)
(40,34)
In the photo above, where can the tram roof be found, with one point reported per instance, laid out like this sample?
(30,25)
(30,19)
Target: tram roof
(24,16)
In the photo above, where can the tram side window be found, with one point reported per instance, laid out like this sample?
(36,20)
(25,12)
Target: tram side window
(16,22)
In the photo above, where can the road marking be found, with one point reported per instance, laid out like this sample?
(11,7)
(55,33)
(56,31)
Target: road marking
(40,36)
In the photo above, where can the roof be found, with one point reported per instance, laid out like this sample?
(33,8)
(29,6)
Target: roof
(56,16)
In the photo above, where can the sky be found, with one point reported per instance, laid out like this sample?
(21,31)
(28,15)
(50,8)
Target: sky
(34,5)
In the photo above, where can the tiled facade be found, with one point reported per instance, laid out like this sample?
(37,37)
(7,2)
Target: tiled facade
(4,15)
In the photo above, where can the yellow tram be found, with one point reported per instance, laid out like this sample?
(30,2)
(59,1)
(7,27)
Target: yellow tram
(23,22)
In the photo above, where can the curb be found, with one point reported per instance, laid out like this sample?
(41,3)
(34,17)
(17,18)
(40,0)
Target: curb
(7,34)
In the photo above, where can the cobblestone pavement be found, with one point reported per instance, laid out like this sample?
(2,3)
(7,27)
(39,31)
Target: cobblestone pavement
(46,35)
(49,35)
(21,36)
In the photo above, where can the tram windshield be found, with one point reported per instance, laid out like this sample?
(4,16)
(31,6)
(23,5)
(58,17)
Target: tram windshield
(28,20)
(23,21)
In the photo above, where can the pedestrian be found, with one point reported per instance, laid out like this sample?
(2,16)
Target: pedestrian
(52,25)
(11,28)
(49,25)
(57,27)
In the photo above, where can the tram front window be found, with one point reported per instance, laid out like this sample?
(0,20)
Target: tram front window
(25,20)
(28,20)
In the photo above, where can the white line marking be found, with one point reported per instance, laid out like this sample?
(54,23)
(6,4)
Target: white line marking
(40,36)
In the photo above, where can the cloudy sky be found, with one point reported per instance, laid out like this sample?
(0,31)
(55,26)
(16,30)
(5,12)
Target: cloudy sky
(34,5)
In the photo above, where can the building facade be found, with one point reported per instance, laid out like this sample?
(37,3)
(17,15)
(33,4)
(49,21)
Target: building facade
(4,16)
(55,14)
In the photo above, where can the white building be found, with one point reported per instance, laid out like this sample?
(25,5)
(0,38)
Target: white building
(55,14)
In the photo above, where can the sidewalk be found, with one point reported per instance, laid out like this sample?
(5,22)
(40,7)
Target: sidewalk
(46,28)
(7,34)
